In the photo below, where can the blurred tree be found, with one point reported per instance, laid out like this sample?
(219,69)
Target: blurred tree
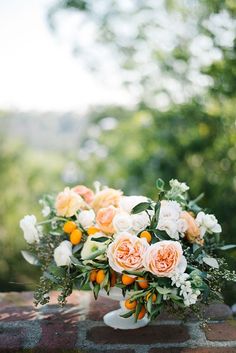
(22,182)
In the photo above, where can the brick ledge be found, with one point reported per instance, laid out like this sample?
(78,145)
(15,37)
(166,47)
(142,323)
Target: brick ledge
(79,328)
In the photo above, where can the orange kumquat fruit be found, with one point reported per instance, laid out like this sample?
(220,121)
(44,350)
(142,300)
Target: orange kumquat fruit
(142,282)
(93,275)
(76,236)
(100,276)
(147,235)
(69,226)
(130,305)
(92,230)
(127,280)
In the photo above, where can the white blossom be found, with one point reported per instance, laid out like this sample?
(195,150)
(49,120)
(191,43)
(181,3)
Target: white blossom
(178,187)
(179,279)
(122,222)
(169,226)
(191,297)
(86,218)
(127,203)
(207,223)
(62,253)
(28,225)
(46,211)
(140,221)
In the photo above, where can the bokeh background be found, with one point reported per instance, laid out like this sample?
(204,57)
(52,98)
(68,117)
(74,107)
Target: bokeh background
(122,92)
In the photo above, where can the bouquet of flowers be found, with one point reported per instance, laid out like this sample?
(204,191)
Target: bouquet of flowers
(162,253)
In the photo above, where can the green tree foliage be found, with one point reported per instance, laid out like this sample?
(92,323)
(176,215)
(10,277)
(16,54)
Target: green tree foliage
(24,176)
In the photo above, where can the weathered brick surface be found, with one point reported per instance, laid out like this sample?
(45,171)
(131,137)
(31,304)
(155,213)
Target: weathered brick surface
(11,339)
(79,328)
(225,331)
(58,332)
(193,350)
(146,335)
(18,313)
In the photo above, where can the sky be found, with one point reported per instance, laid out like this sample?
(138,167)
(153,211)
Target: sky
(38,70)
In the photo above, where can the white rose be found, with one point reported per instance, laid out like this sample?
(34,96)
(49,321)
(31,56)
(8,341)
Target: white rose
(207,223)
(91,246)
(28,225)
(63,253)
(169,226)
(127,203)
(86,218)
(170,209)
(122,222)
(140,221)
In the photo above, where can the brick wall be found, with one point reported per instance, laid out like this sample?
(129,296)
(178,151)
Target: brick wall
(79,328)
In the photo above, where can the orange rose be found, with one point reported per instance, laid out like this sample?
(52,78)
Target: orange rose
(193,232)
(164,258)
(106,197)
(68,203)
(86,193)
(105,217)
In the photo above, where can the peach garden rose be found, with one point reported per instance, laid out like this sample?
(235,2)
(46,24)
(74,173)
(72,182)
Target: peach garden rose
(193,232)
(68,203)
(86,193)
(105,218)
(126,252)
(164,258)
(106,197)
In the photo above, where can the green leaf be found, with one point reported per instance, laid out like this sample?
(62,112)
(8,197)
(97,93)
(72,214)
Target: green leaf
(77,248)
(196,250)
(94,255)
(160,184)
(100,239)
(76,262)
(210,261)
(128,314)
(30,258)
(57,271)
(228,247)
(149,304)
(162,290)
(157,210)
(143,206)
(96,289)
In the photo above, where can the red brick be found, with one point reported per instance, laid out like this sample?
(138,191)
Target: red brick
(146,335)
(194,350)
(59,333)
(11,339)
(18,313)
(225,331)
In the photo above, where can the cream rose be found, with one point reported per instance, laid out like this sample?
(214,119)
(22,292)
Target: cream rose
(68,203)
(86,193)
(105,218)
(63,253)
(105,198)
(86,218)
(164,258)
(28,225)
(126,252)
